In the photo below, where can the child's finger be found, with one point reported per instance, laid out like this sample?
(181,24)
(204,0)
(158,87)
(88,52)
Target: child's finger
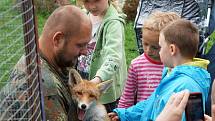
(112,114)
(116,118)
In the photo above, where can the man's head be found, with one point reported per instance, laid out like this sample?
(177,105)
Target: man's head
(178,39)
(151,30)
(65,36)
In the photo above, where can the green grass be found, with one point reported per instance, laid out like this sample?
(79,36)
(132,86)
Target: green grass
(11,38)
(130,43)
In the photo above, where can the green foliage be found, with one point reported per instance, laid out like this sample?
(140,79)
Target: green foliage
(211,41)
(130,43)
(130,9)
(41,18)
(45,6)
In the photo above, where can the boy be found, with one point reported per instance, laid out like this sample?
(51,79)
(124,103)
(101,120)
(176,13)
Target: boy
(178,42)
(145,71)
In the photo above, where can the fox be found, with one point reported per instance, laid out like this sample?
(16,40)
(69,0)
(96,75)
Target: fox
(87,94)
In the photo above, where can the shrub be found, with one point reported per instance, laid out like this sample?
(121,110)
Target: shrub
(130,9)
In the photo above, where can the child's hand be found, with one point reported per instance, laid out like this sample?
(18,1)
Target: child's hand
(113,116)
(96,80)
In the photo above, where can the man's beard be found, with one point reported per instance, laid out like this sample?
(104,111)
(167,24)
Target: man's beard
(62,62)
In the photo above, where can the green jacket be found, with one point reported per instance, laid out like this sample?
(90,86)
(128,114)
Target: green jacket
(109,61)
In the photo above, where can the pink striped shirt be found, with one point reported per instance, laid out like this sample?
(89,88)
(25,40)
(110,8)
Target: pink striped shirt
(144,75)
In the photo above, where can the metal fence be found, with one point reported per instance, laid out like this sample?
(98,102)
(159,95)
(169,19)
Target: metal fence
(20,98)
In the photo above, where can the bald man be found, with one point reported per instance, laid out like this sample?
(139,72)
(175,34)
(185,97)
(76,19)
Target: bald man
(64,38)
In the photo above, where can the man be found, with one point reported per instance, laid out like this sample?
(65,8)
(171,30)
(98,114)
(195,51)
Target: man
(64,38)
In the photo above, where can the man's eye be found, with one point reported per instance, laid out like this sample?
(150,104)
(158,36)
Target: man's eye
(82,45)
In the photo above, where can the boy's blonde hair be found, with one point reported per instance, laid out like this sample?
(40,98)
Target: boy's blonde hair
(158,20)
(185,35)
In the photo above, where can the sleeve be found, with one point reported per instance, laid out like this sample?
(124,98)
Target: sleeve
(112,50)
(127,99)
(16,101)
(134,113)
(53,109)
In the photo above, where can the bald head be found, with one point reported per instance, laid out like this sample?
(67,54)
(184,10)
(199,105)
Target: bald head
(65,35)
(69,20)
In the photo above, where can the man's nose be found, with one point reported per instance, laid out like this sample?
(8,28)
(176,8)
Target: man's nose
(83,51)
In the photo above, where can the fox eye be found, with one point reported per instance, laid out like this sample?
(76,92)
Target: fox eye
(91,95)
(79,93)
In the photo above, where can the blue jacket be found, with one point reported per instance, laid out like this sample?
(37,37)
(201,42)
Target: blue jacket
(192,76)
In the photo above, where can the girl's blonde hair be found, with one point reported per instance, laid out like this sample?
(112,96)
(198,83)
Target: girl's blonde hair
(115,3)
(158,20)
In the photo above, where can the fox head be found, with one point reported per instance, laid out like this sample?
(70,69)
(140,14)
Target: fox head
(86,93)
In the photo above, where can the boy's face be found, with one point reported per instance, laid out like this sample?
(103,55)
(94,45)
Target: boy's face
(150,44)
(165,52)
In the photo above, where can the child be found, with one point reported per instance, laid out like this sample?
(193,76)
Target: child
(106,54)
(178,46)
(145,71)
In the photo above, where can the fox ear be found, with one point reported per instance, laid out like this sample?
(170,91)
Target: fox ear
(73,74)
(104,86)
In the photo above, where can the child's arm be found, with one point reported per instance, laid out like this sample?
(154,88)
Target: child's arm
(136,112)
(127,98)
(112,50)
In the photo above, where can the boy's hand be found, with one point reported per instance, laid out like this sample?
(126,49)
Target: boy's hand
(113,116)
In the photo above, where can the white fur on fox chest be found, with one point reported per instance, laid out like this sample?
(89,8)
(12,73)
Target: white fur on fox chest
(96,113)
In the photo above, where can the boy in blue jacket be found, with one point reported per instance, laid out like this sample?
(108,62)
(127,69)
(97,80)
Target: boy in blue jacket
(178,46)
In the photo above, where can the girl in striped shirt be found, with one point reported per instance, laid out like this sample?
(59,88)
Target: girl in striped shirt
(145,71)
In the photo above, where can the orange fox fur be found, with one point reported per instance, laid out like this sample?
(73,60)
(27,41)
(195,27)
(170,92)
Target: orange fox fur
(87,95)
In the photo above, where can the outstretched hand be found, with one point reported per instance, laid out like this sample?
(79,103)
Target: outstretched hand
(113,116)
(175,107)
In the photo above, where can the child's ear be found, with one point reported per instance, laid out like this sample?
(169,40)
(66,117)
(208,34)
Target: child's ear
(173,49)
(74,77)
(104,86)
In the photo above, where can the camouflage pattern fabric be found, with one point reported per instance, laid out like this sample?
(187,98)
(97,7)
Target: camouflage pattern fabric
(59,105)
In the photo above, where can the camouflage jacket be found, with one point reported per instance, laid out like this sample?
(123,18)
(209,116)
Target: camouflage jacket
(58,102)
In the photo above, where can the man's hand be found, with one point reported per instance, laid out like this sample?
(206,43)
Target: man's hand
(113,116)
(175,107)
(207,118)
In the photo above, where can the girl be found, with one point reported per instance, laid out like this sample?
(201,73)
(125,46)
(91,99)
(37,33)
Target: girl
(106,55)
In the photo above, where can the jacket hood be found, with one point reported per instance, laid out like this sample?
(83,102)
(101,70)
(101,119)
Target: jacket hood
(197,70)
(112,14)
(199,63)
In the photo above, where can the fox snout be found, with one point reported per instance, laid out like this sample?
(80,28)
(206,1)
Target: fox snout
(85,105)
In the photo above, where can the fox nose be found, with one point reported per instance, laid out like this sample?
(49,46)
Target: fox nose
(83,106)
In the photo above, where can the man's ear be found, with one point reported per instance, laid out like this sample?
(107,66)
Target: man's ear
(74,77)
(104,86)
(173,49)
(58,39)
